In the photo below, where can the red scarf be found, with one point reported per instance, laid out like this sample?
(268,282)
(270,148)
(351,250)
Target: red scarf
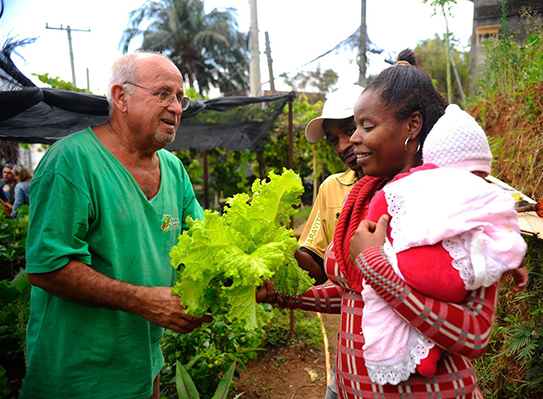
(352,213)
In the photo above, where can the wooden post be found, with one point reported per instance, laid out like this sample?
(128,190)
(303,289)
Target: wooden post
(206,181)
(261,164)
(291,166)
(362,46)
(270,69)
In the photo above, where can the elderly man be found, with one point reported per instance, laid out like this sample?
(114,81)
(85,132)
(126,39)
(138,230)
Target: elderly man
(106,206)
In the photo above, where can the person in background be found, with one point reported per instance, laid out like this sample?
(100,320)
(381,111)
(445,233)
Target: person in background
(9,182)
(106,206)
(22,189)
(4,203)
(450,231)
(336,124)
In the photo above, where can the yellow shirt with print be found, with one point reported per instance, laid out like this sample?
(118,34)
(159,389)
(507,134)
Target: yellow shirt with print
(322,221)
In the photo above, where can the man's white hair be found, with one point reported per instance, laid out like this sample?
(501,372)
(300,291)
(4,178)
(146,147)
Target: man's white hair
(125,69)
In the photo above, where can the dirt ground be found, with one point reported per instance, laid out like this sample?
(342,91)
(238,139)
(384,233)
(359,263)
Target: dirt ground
(290,372)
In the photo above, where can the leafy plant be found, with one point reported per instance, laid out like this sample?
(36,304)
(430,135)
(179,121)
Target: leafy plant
(206,352)
(187,390)
(13,242)
(225,258)
(57,83)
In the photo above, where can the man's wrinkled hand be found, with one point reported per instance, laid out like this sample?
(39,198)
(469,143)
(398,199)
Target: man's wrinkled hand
(162,308)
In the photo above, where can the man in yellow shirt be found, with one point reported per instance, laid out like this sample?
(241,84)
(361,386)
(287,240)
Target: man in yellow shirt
(336,124)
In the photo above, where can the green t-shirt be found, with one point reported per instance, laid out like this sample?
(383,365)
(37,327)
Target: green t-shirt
(85,205)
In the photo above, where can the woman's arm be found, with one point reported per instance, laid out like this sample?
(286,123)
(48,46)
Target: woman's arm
(324,298)
(463,328)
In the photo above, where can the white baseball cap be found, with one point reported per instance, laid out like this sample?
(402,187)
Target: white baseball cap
(338,105)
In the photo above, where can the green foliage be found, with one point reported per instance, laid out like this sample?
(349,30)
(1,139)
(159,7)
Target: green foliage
(307,329)
(13,242)
(4,383)
(432,57)
(510,66)
(186,389)
(509,102)
(323,81)
(311,161)
(14,293)
(14,313)
(442,5)
(207,48)
(57,83)
(15,297)
(512,366)
(207,352)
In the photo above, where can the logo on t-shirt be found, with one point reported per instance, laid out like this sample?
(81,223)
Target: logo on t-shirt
(170,222)
(314,230)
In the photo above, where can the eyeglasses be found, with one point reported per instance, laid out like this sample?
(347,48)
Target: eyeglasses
(165,97)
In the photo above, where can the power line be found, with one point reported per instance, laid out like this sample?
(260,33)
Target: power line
(69,30)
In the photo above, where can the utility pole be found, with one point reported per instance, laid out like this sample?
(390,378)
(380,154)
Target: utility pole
(254,66)
(362,47)
(69,30)
(270,69)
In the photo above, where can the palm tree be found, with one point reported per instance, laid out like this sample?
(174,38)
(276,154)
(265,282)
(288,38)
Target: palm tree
(207,48)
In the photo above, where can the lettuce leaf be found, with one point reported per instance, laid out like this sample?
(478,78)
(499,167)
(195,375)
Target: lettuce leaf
(225,258)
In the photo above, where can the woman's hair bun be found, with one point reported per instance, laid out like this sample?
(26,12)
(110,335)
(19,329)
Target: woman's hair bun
(409,56)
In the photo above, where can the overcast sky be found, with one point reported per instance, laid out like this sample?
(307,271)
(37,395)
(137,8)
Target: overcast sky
(299,31)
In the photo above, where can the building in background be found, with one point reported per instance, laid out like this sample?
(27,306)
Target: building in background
(32,156)
(487,18)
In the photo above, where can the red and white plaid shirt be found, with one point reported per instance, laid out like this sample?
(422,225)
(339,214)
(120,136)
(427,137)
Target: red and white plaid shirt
(463,330)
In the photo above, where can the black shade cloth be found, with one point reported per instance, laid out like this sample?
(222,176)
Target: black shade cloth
(236,135)
(34,115)
(30,114)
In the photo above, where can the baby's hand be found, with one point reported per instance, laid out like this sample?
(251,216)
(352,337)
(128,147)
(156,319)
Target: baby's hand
(520,277)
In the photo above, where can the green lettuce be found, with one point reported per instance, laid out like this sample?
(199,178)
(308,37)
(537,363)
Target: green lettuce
(225,258)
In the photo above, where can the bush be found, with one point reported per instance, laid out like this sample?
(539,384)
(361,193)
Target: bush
(14,302)
(207,353)
(512,366)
